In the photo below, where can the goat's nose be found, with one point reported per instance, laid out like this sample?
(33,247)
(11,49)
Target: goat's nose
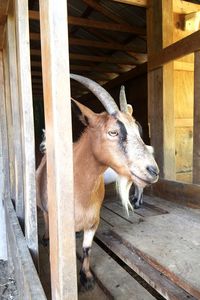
(153,171)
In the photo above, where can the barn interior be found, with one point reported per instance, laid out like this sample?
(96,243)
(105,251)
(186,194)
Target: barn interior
(152,48)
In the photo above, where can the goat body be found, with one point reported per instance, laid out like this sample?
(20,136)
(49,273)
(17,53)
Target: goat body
(109,140)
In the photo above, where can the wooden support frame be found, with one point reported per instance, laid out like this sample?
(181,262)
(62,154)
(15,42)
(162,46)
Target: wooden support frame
(55,66)
(196,122)
(160,88)
(26,106)
(16,118)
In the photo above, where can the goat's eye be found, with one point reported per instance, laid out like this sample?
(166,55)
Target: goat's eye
(113,133)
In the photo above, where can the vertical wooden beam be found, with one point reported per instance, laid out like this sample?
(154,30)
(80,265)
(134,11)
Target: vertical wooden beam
(26,105)
(5,179)
(57,103)
(196,120)
(9,122)
(160,88)
(14,94)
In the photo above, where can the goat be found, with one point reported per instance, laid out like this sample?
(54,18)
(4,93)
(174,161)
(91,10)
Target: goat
(111,139)
(111,176)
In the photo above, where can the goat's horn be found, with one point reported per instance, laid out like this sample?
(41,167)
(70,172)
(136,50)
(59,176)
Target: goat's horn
(122,99)
(105,98)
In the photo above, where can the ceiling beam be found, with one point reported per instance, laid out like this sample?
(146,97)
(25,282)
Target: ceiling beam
(103,69)
(104,59)
(78,21)
(96,44)
(106,45)
(179,6)
(106,25)
(184,7)
(141,3)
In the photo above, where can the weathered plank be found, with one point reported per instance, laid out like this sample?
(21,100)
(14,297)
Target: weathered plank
(83,22)
(16,119)
(117,283)
(178,49)
(196,125)
(28,283)
(5,178)
(26,106)
(169,242)
(57,104)
(160,88)
(9,123)
(183,193)
(134,259)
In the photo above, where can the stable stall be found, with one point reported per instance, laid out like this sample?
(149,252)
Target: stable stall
(150,47)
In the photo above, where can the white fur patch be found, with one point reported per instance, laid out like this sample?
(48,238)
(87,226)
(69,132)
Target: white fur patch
(123,186)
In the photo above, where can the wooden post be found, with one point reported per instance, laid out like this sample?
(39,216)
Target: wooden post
(160,88)
(5,179)
(26,105)
(196,122)
(16,120)
(57,104)
(9,122)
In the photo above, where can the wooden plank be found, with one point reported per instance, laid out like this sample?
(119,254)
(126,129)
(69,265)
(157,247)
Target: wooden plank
(95,58)
(104,69)
(160,89)
(179,192)
(178,49)
(185,7)
(196,126)
(2,35)
(142,3)
(9,124)
(106,25)
(115,280)
(105,59)
(26,106)
(28,283)
(97,44)
(57,104)
(186,66)
(16,119)
(106,45)
(83,22)
(4,163)
(183,122)
(134,259)
(102,9)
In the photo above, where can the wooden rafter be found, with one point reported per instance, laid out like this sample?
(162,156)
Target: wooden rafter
(179,6)
(105,11)
(142,3)
(94,58)
(97,44)
(104,45)
(180,48)
(104,59)
(97,24)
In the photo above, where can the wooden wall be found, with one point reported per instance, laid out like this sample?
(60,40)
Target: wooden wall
(183,106)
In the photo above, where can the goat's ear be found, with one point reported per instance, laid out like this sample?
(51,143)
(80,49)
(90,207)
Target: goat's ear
(130,109)
(85,115)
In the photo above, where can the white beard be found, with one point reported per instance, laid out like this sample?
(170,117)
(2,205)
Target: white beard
(123,187)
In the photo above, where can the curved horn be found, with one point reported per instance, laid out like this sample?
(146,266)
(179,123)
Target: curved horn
(122,99)
(105,98)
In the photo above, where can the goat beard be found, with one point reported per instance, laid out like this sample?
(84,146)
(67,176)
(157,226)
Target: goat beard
(123,187)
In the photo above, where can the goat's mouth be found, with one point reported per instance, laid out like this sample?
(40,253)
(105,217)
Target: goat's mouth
(147,182)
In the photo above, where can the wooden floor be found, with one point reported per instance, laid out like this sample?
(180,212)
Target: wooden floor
(154,253)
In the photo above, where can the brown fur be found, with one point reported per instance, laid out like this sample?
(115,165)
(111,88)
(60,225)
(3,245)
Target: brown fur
(95,151)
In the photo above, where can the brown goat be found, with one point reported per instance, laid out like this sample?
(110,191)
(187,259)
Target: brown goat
(111,139)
